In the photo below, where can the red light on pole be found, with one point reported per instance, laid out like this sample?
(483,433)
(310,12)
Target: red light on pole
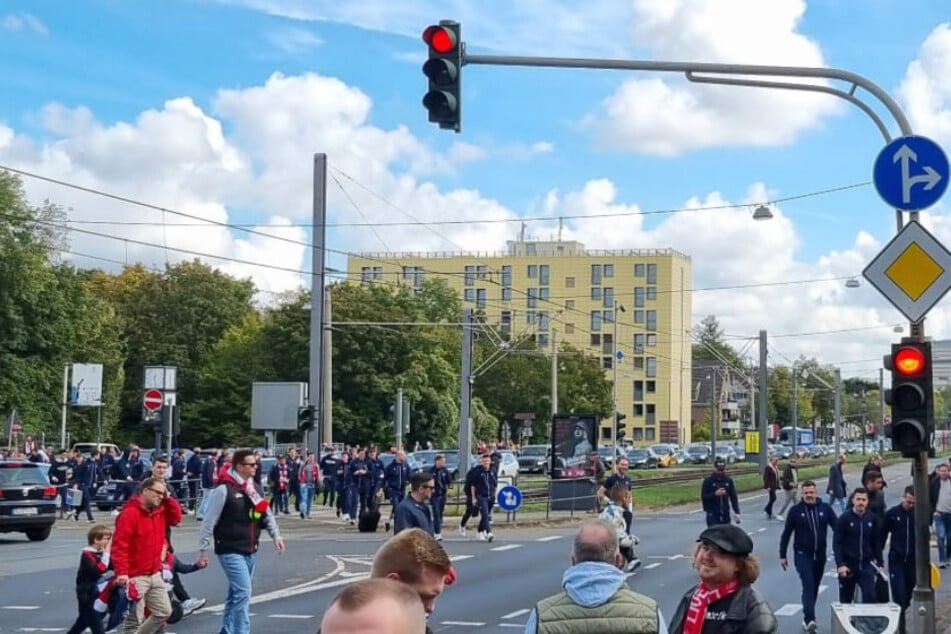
(909,361)
(441,39)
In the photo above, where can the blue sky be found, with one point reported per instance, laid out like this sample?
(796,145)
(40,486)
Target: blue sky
(214,107)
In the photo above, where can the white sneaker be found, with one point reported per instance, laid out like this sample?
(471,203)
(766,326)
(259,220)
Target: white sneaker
(632,565)
(462,531)
(482,536)
(438,537)
(779,517)
(489,536)
(192,605)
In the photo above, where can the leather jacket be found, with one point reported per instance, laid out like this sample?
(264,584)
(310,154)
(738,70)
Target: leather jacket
(748,614)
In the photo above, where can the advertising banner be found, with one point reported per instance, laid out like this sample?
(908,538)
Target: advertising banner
(85,389)
(574,437)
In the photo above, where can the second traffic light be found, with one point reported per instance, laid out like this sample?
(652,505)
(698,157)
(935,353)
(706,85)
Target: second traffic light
(443,99)
(911,397)
(619,425)
(306,418)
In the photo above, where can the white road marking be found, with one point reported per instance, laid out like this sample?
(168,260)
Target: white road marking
(290,616)
(20,607)
(309,586)
(789,609)
(506,547)
(697,511)
(550,538)
(653,565)
(42,629)
(521,625)
(673,557)
(464,623)
(460,557)
(512,615)
(761,530)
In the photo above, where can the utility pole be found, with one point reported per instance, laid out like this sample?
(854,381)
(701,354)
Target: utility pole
(614,362)
(763,377)
(864,420)
(317,273)
(795,407)
(326,412)
(554,381)
(838,410)
(465,401)
(714,402)
(398,419)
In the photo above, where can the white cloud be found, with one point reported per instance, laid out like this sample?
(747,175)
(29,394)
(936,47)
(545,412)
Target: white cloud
(293,40)
(23,21)
(925,90)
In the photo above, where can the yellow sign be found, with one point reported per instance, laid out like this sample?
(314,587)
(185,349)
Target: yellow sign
(752,442)
(935,576)
(914,271)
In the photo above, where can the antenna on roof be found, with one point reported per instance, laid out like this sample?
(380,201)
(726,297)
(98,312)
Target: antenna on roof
(561,225)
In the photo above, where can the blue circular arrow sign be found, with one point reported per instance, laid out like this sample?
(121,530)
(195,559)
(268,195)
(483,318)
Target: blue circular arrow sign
(911,173)
(509,498)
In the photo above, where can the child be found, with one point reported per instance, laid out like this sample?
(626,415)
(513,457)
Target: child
(620,499)
(170,565)
(93,565)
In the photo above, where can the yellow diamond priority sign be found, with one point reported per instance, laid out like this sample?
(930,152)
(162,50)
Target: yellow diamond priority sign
(913,271)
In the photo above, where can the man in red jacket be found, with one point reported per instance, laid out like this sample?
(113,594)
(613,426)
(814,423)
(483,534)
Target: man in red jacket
(137,552)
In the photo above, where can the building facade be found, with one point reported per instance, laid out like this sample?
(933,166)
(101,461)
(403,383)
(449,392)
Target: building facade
(626,307)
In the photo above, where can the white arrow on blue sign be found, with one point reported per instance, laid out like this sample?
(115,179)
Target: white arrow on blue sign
(509,498)
(911,173)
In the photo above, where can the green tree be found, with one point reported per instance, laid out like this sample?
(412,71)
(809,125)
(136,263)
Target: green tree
(711,345)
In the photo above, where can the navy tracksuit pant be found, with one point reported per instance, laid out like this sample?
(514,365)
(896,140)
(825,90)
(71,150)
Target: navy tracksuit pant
(864,578)
(901,574)
(810,568)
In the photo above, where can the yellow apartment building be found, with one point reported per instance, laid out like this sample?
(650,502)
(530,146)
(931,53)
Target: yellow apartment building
(559,290)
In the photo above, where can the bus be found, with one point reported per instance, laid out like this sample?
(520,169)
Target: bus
(804,437)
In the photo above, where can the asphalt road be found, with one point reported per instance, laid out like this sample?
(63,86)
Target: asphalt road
(498,583)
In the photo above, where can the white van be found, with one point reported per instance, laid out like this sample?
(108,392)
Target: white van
(86,448)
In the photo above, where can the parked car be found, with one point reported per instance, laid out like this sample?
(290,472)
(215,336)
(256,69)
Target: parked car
(698,453)
(104,495)
(740,452)
(643,458)
(534,459)
(666,455)
(726,453)
(609,454)
(28,502)
(86,448)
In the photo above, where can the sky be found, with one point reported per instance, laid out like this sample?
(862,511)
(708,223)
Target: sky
(210,111)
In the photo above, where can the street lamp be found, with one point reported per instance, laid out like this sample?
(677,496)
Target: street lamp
(763,212)
(852,283)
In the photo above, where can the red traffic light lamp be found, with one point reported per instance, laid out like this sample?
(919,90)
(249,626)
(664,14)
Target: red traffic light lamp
(911,397)
(908,361)
(443,69)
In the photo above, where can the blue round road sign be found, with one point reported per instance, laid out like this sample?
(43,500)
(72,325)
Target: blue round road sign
(509,498)
(911,173)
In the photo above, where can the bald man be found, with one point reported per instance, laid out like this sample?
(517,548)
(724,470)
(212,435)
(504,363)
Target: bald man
(375,606)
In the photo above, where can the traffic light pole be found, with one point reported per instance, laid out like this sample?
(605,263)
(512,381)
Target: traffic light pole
(922,598)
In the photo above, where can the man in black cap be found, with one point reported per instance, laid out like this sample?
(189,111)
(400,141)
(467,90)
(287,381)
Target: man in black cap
(725,599)
(718,494)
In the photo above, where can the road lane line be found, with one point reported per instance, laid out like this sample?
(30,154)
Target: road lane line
(460,557)
(521,625)
(20,607)
(308,586)
(673,557)
(290,616)
(789,609)
(464,623)
(499,549)
(550,538)
(512,615)
(651,566)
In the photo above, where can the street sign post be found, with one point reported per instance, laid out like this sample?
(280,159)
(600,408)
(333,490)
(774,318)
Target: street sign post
(913,271)
(509,498)
(911,173)
(153,400)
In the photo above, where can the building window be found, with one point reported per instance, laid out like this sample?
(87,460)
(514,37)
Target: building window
(543,320)
(482,271)
(366,274)
(651,273)
(639,344)
(652,387)
(651,369)
(638,297)
(531,299)
(637,435)
(569,329)
(506,293)
(638,363)
(506,275)
(607,346)
(651,320)
(468,295)
(414,274)
(651,293)
(608,270)
(532,271)
(470,275)
(530,317)
(638,409)
(596,293)
(649,434)
(569,304)
(609,316)
(638,270)
(651,340)
(569,282)
(543,275)
(544,293)
(596,274)
(506,321)
(595,320)
(638,316)
(480,298)
(606,362)
(638,390)
(650,416)
(595,340)
(608,297)
(542,339)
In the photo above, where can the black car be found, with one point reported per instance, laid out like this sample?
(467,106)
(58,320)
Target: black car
(105,495)
(643,458)
(27,500)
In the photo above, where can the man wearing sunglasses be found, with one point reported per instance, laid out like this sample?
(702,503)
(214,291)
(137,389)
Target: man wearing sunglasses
(414,511)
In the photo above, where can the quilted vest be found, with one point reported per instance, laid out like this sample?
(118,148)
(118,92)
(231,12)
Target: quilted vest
(625,613)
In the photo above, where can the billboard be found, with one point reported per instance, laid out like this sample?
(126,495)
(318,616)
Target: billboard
(274,405)
(85,388)
(573,438)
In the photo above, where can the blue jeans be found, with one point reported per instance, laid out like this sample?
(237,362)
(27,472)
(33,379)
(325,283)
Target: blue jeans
(942,524)
(306,498)
(841,501)
(238,569)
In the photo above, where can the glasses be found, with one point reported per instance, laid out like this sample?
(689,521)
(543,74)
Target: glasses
(158,492)
(248,464)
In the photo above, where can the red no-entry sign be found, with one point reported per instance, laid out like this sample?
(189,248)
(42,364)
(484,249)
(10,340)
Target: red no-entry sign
(153,400)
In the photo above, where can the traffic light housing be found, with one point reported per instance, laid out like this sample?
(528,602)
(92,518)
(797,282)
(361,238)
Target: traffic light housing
(619,425)
(911,397)
(443,100)
(305,418)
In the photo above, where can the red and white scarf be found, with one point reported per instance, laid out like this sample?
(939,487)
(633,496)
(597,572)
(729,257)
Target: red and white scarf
(702,597)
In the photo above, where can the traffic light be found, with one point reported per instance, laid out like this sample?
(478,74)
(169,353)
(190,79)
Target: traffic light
(305,418)
(911,397)
(619,425)
(444,71)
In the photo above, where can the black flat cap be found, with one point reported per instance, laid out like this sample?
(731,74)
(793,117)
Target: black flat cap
(728,538)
